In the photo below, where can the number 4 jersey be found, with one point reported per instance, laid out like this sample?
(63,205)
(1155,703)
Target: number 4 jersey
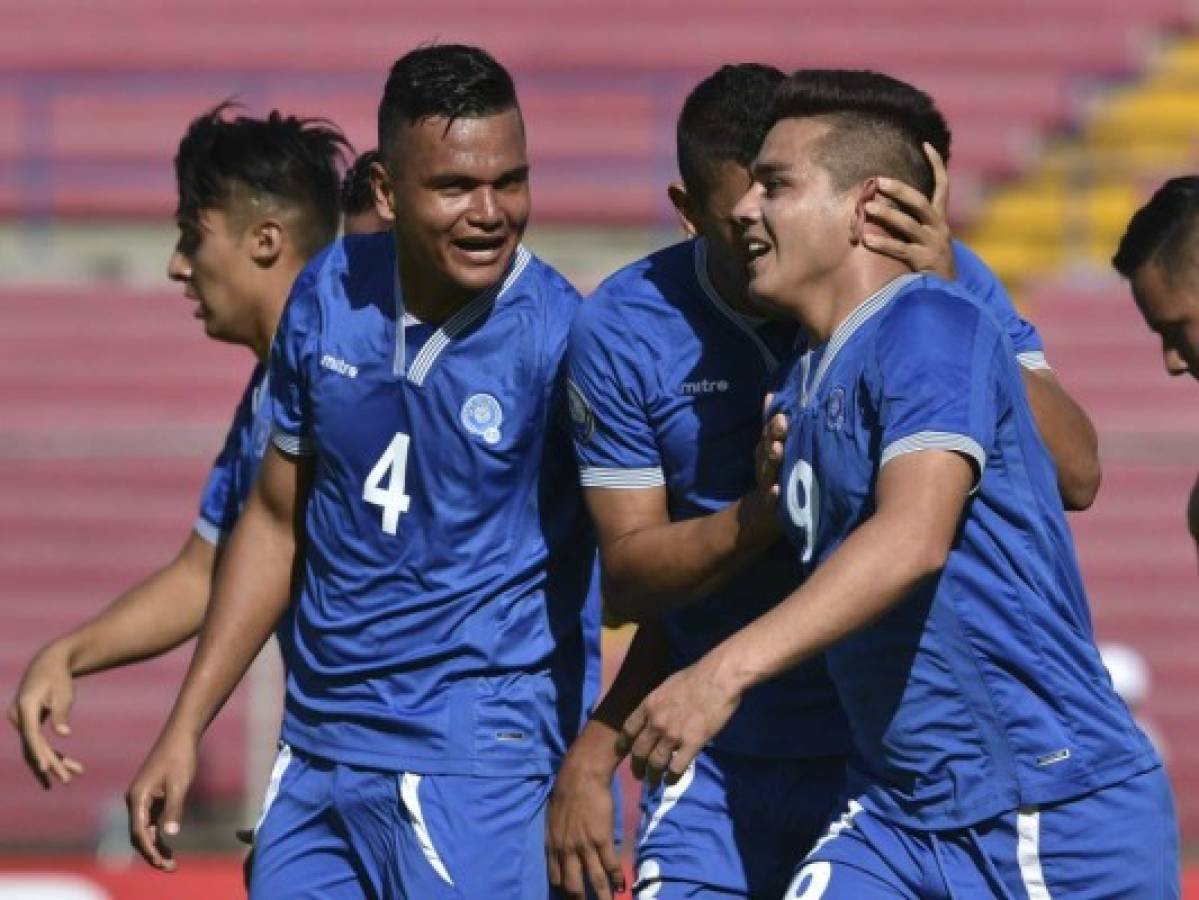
(445,618)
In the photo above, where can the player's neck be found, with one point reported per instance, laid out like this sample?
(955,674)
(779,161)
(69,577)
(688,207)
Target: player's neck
(268,312)
(826,305)
(733,287)
(430,297)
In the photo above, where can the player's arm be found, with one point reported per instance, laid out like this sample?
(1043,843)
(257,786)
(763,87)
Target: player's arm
(150,618)
(1069,437)
(579,822)
(652,565)
(919,502)
(250,595)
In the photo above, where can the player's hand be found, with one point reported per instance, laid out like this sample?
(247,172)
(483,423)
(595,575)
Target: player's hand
(768,455)
(578,830)
(47,691)
(666,732)
(155,798)
(915,229)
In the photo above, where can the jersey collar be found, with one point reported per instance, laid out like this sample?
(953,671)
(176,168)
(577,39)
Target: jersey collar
(861,314)
(452,327)
(700,258)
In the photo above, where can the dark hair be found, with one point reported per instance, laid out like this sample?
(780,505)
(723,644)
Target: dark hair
(878,124)
(1163,231)
(724,119)
(450,81)
(357,195)
(290,163)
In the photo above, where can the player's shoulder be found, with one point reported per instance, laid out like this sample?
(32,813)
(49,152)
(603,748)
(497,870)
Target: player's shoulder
(534,280)
(353,272)
(928,308)
(641,295)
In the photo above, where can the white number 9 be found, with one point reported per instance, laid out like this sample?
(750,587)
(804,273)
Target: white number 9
(803,505)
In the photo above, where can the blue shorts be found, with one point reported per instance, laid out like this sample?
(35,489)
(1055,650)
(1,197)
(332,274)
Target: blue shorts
(1118,842)
(733,825)
(335,832)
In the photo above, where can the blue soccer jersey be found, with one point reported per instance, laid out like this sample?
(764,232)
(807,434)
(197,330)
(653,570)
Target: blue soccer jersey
(668,384)
(233,471)
(983,690)
(438,623)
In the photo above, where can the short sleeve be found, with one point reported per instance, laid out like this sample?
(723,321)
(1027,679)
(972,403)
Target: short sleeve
(937,374)
(976,277)
(293,355)
(607,395)
(219,504)
(217,510)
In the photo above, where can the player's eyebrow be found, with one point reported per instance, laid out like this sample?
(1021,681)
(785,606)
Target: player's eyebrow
(765,168)
(468,180)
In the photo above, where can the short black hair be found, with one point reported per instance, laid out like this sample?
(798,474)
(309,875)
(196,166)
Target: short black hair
(1163,231)
(290,163)
(450,81)
(357,194)
(878,124)
(724,119)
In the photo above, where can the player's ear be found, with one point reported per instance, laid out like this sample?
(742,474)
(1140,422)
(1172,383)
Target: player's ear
(684,206)
(859,219)
(267,238)
(384,192)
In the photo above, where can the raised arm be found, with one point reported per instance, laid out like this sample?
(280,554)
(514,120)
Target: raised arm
(250,595)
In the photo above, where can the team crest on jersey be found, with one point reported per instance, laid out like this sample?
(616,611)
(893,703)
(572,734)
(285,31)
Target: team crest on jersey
(582,416)
(834,408)
(482,416)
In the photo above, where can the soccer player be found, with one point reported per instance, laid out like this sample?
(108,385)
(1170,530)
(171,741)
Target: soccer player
(670,362)
(995,758)
(418,527)
(257,198)
(1159,255)
(360,214)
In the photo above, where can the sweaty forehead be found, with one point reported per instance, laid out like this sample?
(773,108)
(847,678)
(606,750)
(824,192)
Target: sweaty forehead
(790,142)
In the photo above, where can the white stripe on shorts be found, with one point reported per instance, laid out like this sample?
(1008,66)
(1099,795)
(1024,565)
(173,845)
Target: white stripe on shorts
(670,796)
(1028,852)
(409,793)
(282,761)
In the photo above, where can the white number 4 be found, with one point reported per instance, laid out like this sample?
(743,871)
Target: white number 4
(392,466)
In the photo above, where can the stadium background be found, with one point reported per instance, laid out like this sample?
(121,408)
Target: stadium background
(1066,114)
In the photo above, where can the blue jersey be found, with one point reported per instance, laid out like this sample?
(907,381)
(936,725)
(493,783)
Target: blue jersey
(982,691)
(668,384)
(440,622)
(233,471)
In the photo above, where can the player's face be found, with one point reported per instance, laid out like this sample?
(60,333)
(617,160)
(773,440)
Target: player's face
(1172,312)
(795,225)
(461,199)
(714,219)
(213,263)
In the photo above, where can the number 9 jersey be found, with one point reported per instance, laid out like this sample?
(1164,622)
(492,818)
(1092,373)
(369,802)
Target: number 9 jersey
(445,616)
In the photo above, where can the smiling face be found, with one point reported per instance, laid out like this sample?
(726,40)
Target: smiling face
(796,225)
(460,197)
(214,262)
(1170,307)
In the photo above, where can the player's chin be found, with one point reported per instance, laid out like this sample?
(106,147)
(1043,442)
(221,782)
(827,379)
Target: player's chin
(475,274)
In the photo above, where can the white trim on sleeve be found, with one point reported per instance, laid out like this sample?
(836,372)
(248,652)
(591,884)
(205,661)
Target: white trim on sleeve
(208,531)
(621,478)
(937,440)
(291,444)
(1033,360)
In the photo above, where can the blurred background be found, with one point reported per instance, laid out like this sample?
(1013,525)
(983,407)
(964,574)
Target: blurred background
(1066,115)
